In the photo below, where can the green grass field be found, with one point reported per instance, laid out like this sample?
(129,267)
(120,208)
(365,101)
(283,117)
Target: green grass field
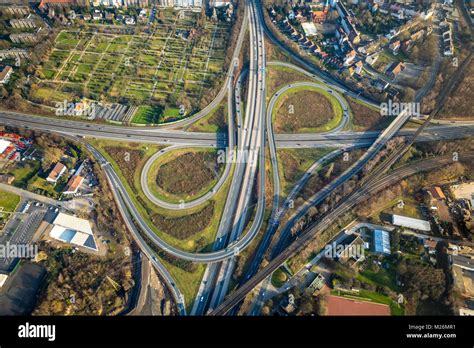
(187,282)
(147,115)
(293,163)
(24,172)
(279,278)
(305,113)
(8,201)
(410,208)
(215,121)
(280,76)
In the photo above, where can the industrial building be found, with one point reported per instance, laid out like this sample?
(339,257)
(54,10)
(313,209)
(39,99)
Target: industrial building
(408,222)
(73,230)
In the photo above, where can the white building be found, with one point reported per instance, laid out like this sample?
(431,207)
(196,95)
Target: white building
(73,230)
(3,279)
(181,3)
(4,144)
(5,74)
(408,222)
(309,28)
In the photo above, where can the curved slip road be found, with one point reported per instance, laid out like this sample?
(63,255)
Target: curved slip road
(133,216)
(183,205)
(342,102)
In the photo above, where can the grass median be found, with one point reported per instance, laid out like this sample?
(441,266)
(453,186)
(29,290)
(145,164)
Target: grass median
(306,109)
(293,164)
(184,175)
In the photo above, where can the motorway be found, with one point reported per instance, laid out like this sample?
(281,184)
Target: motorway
(446,129)
(209,279)
(321,195)
(250,157)
(107,131)
(375,147)
(224,176)
(342,139)
(231,239)
(322,79)
(129,222)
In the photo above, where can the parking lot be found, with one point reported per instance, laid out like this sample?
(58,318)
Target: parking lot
(21,228)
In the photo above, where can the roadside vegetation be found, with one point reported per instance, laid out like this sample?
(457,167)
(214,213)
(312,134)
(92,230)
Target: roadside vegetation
(274,53)
(280,76)
(293,163)
(148,115)
(279,277)
(367,118)
(328,173)
(459,104)
(82,284)
(187,274)
(215,121)
(187,280)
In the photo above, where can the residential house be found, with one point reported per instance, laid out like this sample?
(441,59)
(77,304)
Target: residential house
(5,74)
(56,173)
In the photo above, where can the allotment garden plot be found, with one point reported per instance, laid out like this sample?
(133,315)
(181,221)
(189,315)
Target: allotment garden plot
(171,60)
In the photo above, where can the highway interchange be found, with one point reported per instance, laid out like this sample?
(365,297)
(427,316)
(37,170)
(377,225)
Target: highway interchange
(246,135)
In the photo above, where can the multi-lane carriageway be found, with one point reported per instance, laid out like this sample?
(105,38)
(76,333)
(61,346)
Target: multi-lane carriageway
(251,135)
